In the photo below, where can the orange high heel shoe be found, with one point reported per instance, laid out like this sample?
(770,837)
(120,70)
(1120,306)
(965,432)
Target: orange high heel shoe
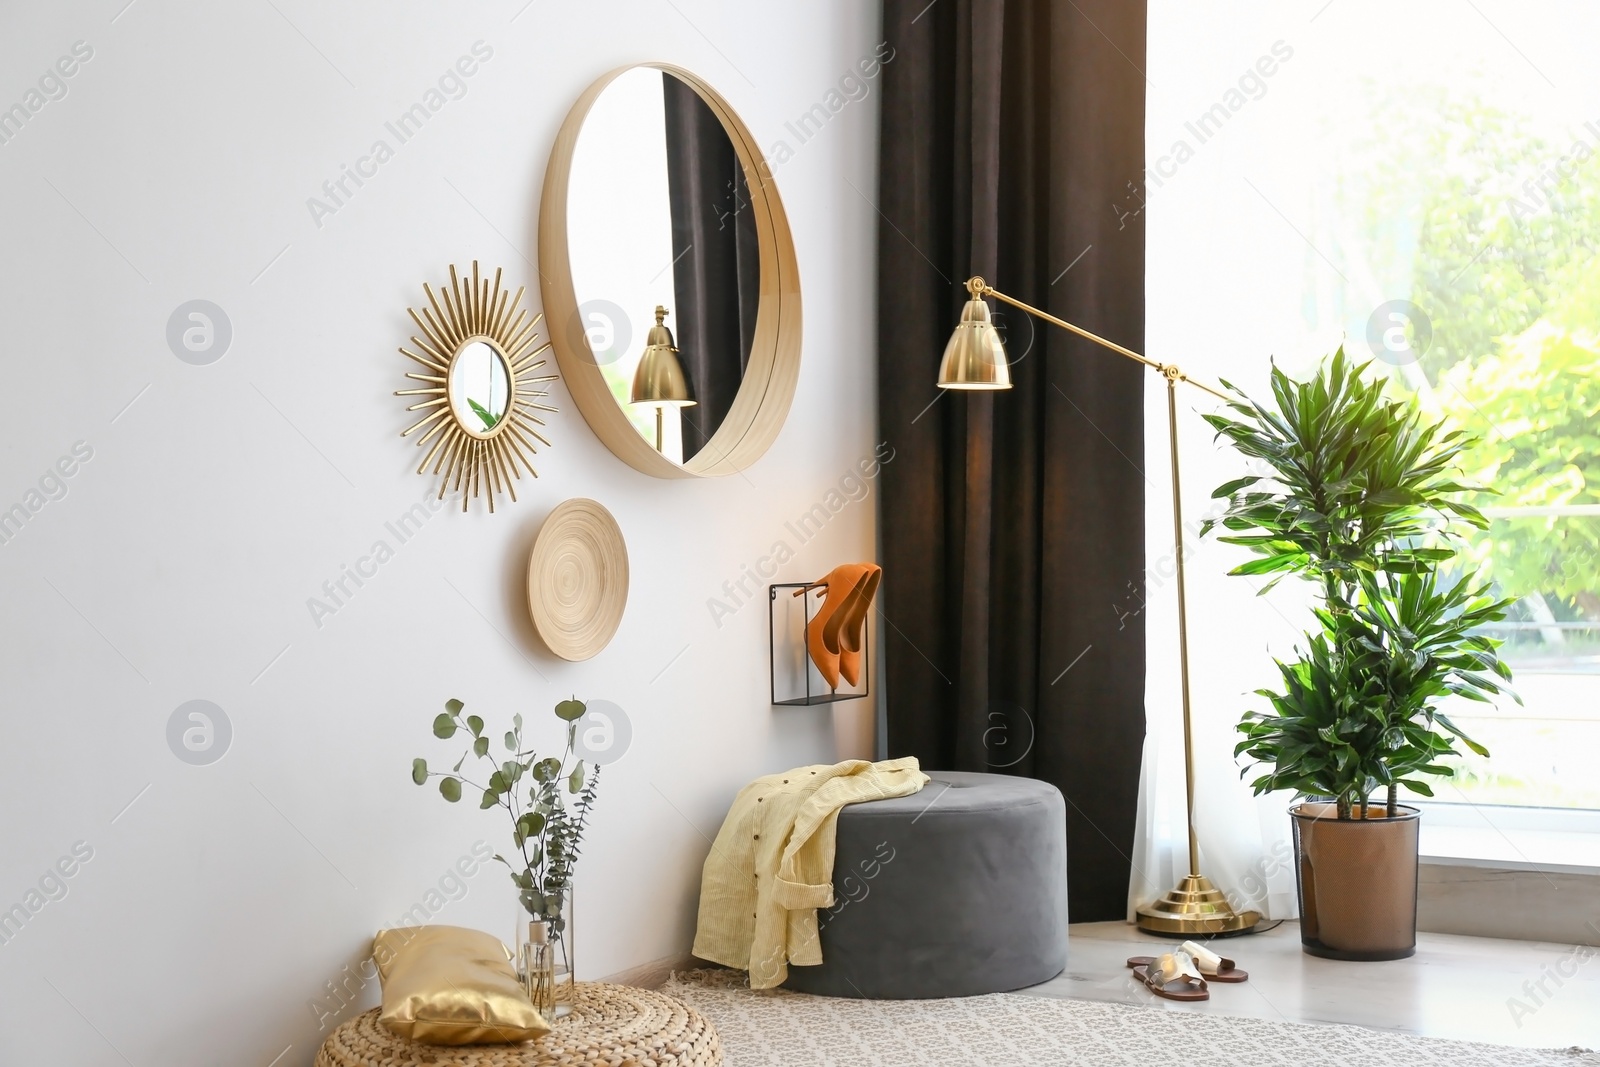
(852,635)
(822,632)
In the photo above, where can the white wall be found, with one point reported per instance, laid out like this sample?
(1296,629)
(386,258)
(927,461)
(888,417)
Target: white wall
(219,498)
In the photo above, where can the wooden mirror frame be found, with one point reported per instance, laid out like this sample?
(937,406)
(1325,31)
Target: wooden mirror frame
(764,396)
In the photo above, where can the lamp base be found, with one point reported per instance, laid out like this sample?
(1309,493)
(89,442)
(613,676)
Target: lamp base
(1196,908)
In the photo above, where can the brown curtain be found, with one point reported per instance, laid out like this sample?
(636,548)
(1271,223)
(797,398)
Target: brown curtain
(1013,522)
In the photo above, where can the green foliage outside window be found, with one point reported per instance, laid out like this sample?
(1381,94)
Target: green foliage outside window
(1495,231)
(1540,393)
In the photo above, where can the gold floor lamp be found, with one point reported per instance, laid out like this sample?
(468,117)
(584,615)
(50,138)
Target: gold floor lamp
(976,359)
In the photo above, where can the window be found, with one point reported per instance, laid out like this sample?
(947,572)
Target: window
(1420,182)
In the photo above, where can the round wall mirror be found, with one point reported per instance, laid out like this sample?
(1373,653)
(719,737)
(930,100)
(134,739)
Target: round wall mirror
(670,278)
(480,387)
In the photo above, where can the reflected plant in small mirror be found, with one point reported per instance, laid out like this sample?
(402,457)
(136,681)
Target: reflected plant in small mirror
(480,387)
(479,378)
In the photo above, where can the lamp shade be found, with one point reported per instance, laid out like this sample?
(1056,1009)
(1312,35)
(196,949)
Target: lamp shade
(659,380)
(974,358)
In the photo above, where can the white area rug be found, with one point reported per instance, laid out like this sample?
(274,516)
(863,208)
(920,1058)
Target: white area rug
(781,1029)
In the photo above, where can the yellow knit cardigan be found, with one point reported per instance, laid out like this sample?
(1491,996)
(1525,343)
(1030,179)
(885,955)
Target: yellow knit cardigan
(771,866)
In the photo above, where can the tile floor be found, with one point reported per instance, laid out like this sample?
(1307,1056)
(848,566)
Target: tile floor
(1454,987)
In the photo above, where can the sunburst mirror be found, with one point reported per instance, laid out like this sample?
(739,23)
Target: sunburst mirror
(480,387)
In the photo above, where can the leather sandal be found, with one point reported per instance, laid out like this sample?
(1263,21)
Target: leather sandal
(1216,968)
(1212,967)
(1173,977)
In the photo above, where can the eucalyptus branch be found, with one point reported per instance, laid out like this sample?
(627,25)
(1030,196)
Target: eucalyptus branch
(545,824)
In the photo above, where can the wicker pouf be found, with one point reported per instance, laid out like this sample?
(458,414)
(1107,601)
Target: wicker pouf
(618,1026)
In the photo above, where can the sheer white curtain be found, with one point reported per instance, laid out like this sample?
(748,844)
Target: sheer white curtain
(1269,128)
(1236,210)
(1234,277)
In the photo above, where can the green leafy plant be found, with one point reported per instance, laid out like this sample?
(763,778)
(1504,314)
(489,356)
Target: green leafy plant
(1361,499)
(545,829)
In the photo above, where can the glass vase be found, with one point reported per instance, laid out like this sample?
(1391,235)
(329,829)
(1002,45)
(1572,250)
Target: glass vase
(544,957)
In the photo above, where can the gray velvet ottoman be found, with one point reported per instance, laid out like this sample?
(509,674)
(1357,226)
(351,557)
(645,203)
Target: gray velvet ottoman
(958,890)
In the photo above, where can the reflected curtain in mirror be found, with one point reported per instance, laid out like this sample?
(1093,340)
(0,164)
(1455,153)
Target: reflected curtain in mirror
(717,276)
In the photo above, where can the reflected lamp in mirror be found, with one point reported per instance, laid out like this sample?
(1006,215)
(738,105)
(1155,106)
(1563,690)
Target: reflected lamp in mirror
(479,390)
(659,381)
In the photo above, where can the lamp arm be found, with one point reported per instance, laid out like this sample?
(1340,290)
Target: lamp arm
(978,287)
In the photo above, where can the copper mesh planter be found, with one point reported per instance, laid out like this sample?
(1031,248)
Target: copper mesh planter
(1358,882)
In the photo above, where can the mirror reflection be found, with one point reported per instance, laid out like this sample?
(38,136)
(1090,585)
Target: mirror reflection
(659,226)
(479,387)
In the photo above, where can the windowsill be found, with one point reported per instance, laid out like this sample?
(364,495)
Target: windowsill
(1517,839)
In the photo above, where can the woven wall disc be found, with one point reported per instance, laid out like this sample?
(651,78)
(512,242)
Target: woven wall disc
(578,579)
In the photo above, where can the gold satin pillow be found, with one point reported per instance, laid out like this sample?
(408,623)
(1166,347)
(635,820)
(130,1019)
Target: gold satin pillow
(445,985)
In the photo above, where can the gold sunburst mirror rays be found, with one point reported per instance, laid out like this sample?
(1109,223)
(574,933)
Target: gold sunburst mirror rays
(480,387)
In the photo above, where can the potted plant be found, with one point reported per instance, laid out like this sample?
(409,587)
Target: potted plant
(546,830)
(1357,493)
